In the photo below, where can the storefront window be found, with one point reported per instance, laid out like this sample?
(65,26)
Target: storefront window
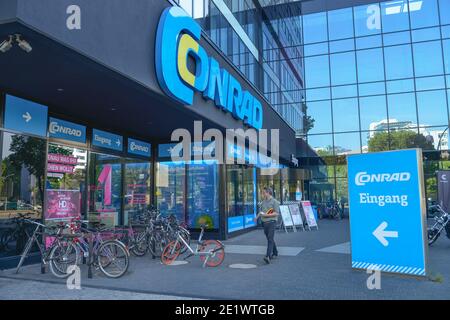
(105,189)
(170,189)
(21,188)
(203,195)
(241,197)
(137,188)
(66,181)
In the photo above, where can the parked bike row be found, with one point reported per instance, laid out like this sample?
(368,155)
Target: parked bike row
(108,249)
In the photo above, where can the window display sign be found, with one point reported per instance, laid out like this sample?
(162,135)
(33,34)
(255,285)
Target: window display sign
(59,158)
(309,214)
(62,204)
(60,168)
(388,212)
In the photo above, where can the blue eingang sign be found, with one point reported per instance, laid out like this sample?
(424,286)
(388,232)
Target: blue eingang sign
(387,212)
(178,39)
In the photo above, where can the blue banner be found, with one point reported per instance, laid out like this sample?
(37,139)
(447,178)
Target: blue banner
(61,129)
(387,214)
(107,140)
(249,221)
(139,148)
(25,116)
(235,223)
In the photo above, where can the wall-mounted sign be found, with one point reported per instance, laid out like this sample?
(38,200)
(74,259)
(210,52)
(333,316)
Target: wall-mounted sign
(387,212)
(25,116)
(61,129)
(107,140)
(139,148)
(177,41)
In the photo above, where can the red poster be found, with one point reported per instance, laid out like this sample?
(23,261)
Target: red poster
(62,204)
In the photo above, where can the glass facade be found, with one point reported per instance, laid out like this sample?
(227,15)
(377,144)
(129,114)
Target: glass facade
(263,45)
(377,78)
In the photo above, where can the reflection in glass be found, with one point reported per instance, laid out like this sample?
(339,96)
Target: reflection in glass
(402,109)
(21,189)
(340,24)
(394,16)
(321,113)
(372,111)
(444,9)
(423,13)
(347,143)
(398,61)
(367,20)
(317,72)
(315,27)
(446,47)
(322,144)
(343,68)
(370,65)
(428,58)
(432,108)
(345,115)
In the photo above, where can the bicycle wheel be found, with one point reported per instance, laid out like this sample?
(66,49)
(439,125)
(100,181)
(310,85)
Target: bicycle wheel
(62,256)
(113,259)
(433,235)
(217,253)
(170,253)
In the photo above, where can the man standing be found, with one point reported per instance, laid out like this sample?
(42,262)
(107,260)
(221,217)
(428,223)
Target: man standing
(269,212)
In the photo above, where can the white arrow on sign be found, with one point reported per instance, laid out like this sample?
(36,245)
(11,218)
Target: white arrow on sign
(27,117)
(118,142)
(381,234)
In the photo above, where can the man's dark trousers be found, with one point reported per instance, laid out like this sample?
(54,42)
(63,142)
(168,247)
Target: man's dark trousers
(269,231)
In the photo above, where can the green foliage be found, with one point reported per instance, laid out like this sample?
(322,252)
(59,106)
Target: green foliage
(396,140)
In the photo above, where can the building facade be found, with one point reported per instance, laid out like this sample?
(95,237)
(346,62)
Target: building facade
(90,94)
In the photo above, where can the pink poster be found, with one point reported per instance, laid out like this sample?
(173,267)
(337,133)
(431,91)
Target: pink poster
(59,158)
(60,168)
(62,204)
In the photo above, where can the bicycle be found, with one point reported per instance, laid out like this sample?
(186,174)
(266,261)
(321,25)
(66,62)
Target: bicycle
(106,250)
(59,255)
(211,252)
(15,237)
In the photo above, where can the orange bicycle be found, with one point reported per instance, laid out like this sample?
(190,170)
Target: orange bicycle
(211,252)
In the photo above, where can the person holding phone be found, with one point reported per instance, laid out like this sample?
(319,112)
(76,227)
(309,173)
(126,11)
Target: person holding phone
(269,212)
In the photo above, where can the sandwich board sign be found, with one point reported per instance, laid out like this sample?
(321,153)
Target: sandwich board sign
(286,218)
(388,212)
(296,215)
(309,214)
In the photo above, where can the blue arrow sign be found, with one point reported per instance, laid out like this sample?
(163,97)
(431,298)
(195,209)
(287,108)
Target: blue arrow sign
(387,214)
(107,140)
(25,116)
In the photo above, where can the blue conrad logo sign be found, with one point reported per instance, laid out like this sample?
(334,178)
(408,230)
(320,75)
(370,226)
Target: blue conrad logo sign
(139,148)
(66,130)
(178,39)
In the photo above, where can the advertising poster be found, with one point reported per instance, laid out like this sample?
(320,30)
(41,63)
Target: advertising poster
(62,204)
(296,215)
(309,214)
(286,216)
(444,189)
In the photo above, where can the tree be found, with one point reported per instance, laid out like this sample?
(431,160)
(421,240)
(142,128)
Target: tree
(395,140)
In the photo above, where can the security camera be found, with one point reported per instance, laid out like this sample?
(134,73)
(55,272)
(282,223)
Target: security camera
(24,45)
(6,45)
